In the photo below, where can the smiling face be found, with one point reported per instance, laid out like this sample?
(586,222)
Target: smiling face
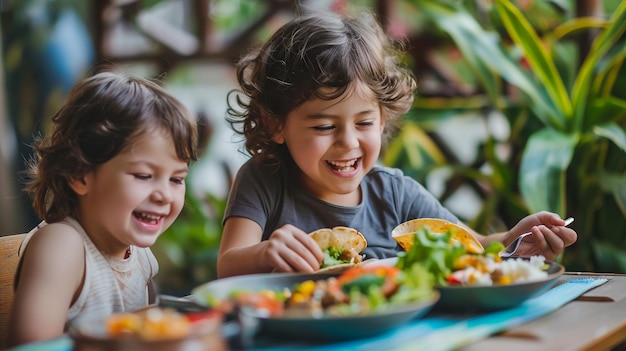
(134,197)
(335,143)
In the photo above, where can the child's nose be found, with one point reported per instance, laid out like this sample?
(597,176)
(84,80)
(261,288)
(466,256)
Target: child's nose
(349,138)
(162,195)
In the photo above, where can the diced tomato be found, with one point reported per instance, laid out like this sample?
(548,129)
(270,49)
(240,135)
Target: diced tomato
(204,315)
(362,277)
(451,279)
(261,301)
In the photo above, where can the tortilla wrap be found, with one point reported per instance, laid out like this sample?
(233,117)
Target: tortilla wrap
(349,240)
(404,233)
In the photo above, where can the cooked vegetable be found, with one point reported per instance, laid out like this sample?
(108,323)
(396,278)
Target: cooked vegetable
(153,324)
(358,290)
(362,279)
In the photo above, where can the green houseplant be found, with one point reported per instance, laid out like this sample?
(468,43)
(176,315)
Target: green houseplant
(569,119)
(187,251)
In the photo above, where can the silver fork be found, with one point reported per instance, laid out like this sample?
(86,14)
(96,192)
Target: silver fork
(512,247)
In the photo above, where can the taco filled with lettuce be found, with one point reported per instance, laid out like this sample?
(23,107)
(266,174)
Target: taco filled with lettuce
(341,246)
(404,233)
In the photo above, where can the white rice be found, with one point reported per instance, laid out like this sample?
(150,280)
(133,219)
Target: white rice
(520,270)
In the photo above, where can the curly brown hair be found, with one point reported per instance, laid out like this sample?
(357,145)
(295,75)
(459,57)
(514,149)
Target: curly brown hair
(301,61)
(102,115)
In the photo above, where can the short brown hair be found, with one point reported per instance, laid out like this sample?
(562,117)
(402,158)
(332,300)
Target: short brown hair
(101,116)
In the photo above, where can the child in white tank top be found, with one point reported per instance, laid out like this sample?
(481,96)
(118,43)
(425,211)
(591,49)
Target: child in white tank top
(108,180)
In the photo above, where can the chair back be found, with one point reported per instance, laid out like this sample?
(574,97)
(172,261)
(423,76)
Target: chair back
(9,258)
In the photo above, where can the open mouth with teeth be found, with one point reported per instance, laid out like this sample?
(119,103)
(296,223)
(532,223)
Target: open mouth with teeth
(147,218)
(344,166)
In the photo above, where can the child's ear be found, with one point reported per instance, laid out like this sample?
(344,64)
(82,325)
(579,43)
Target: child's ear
(278,137)
(79,184)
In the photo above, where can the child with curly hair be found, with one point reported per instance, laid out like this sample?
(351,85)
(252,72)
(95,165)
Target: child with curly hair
(316,104)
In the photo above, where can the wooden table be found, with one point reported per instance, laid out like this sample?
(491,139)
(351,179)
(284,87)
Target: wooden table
(594,321)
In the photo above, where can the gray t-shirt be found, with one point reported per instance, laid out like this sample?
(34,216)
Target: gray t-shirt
(388,199)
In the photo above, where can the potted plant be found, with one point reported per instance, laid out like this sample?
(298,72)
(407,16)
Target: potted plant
(568,114)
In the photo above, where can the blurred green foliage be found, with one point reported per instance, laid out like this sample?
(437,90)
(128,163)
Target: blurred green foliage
(566,115)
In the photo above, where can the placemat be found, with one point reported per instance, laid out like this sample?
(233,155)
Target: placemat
(449,332)
(433,333)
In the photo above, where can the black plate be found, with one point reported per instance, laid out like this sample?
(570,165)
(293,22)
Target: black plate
(326,327)
(489,298)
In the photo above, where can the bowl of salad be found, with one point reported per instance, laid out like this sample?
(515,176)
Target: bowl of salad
(359,302)
(470,279)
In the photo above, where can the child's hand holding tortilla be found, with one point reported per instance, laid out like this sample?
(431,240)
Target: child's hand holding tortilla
(289,249)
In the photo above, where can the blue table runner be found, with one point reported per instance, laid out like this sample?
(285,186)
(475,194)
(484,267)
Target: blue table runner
(433,333)
(449,332)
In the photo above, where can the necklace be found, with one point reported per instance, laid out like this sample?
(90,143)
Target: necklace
(127,254)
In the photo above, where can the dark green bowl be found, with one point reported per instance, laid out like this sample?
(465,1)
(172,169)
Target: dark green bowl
(323,328)
(496,297)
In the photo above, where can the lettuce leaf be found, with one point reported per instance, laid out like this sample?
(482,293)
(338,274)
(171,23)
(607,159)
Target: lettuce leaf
(434,252)
(331,257)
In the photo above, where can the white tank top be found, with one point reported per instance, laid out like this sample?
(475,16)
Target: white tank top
(111,284)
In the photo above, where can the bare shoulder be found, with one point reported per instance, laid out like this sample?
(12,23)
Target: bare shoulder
(50,279)
(56,238)
(56,249)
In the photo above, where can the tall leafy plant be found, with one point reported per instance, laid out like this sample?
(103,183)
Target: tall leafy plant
(573,160)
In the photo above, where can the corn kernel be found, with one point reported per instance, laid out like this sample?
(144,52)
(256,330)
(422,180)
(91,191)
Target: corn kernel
(505,280)
(306,287)
(298,297)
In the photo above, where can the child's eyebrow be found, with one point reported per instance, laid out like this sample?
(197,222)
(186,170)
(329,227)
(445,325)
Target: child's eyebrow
(315,116)
(183,169)
(319,116)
